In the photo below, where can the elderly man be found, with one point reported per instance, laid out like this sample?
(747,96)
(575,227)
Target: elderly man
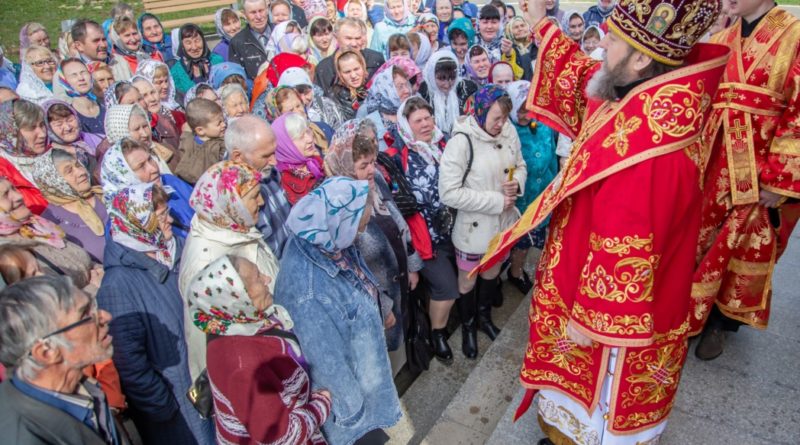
(49,331)
(91,45)
(249,47)
(350,33)
(611,304)
(250,140)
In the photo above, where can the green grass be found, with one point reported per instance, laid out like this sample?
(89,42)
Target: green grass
(50,13)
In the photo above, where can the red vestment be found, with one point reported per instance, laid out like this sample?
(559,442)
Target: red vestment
(625,219)
(755,131)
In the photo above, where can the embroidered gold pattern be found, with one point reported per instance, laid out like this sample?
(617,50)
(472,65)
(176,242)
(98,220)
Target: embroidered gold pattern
(622,128)
(675,109)
(654,373)
(613,324)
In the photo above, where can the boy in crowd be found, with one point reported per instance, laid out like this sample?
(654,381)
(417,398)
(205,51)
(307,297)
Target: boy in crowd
(204,145)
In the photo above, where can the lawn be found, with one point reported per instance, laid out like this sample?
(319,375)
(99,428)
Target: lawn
(50,13)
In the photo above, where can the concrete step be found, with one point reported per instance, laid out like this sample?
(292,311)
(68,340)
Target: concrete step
(442,388)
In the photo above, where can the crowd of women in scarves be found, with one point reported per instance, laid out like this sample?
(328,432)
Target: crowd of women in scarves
(259,229)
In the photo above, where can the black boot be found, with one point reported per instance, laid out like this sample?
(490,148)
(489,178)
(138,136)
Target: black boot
(497,299)
(441,349)
(486,292)
(469,325)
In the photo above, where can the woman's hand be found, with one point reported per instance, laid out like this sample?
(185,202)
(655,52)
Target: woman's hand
(505,46)
(511,188)
(509,202)
(390,321)
(413,280)
(325,393)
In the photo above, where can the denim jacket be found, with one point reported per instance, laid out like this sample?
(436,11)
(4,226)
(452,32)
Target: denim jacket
(340,331)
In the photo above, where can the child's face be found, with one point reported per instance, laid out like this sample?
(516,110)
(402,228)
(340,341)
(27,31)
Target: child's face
(215,128)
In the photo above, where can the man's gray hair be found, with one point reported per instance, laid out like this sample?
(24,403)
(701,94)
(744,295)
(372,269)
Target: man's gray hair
(239,134)
(29,310)
(248,2)
(351,22)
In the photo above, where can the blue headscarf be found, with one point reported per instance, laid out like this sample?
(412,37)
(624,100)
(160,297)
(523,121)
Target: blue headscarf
(164,46)
(222,71)
(329,216)
(463,24)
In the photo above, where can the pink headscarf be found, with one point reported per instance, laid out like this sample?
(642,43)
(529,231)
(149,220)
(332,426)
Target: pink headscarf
(288,155)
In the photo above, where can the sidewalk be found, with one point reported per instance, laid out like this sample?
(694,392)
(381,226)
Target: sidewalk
(750,395)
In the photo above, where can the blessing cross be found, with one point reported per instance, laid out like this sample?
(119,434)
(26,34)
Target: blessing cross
(738,128)
(730,95)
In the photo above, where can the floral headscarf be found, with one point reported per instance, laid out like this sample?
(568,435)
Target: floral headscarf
(11,140)
(405,63)
(34,228)
(220,305)
(218,195)
(339,157)
(147,69)
(110,96)
(134,223)
(86,143)
(485,97)
(115,173)
(152,47)
(430,152)
(445,105)
(382,95)
(57,191)
(272,109)
(72,92)
(32,88)
(471,73)
(289,156)
(518,91)
(329,215)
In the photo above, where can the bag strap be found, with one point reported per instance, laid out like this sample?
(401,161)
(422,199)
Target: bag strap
(282,334)
(469,161)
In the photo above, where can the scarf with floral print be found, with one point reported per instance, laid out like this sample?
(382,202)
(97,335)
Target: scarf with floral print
(429,151)
(134,224)
(11,140)
(218,196)
(484,98)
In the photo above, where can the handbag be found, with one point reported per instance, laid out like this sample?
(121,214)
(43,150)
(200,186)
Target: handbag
(445,218)
(419,349)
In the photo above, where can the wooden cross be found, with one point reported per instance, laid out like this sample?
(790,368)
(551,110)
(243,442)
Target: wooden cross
(738,128)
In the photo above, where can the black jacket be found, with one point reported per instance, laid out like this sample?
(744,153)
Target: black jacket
(246,50)
(325,75)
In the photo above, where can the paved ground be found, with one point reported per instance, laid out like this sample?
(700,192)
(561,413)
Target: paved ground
(750,395)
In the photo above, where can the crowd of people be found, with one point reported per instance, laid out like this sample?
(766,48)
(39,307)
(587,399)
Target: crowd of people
(245,241)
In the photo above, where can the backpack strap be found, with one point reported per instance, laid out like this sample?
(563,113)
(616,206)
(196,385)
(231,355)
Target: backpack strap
(469,159)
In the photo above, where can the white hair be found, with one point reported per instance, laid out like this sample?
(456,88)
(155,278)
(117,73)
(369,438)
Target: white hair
(239,134)
(296,125)
(229,90)
(251,2)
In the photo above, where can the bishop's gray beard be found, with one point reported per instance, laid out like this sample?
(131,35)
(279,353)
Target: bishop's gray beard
(602,85)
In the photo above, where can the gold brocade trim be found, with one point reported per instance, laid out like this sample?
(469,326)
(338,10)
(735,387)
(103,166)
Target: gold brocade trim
(613,27)
(700,290)
(613,324)
(774,20)
(740,86)
(560,419)
(622,128)
(749,267)
(675,116)
(556,348)
(738,137)
(559,383)
(619,246)
(632,279)
(654,373)
(748,318)
(552,432)
(784,192)
(787,51)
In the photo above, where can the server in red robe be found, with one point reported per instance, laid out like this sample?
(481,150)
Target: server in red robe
(752,185)
(610,314)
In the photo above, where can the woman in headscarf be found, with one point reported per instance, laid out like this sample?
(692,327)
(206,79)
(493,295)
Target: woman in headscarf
(590,42)
(444,12)
(140,290)
(349,91)
(478,64)
(396,20)
(159,75)
(64,131)
(228,24)
(33,34)
(122,92)
(386,242)
(299,160)
(260,376)
(552,9)
(226,201)
(283,100)
(430,29)
(127,42)
(270,73)
(421,47)
(347,350)
(36,75)
(74,204)
(202,90)
(282,36)
(53,252)
(461,36)
(77,84)
(320,39)
(320,109)
(484,198)
(444,89)
(134,122)
(154,39)
(357,9)
(387,90)
(519,32)
(229,72)
(129,163)
(234,101)
(194,58)
(537,143)
(164,127)
(501,73)
(102,78)
(23,138)
(573,25)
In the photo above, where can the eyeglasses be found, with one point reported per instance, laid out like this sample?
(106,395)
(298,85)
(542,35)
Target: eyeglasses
(43,62)
(445,77)
(92,316)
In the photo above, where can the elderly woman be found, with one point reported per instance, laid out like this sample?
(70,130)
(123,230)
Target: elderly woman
(74,204)
(122,93)
(393,83)
(262,388)
(132,121)
(127,43)
(154,39)
(102,78)
(53,252)
(76,84)
(128,163)
(234,101)
(319,108)
(226,200)
(23,137)
(519,32)
(481,175)
(33,34)
(36,75)
(63,129)
(43,318)
(478,64)
(386,242)
(228,24)
(140,289)
(158,74)
(501,73)
(396,20)
(161,121)
(350,90)
(444,90)
(194,58)
(335,308)
(299,161)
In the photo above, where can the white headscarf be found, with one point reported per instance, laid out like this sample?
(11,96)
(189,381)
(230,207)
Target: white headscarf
(147,69)
(31,88)
(429,151)
(445,106)
(424,51)
(518,91)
